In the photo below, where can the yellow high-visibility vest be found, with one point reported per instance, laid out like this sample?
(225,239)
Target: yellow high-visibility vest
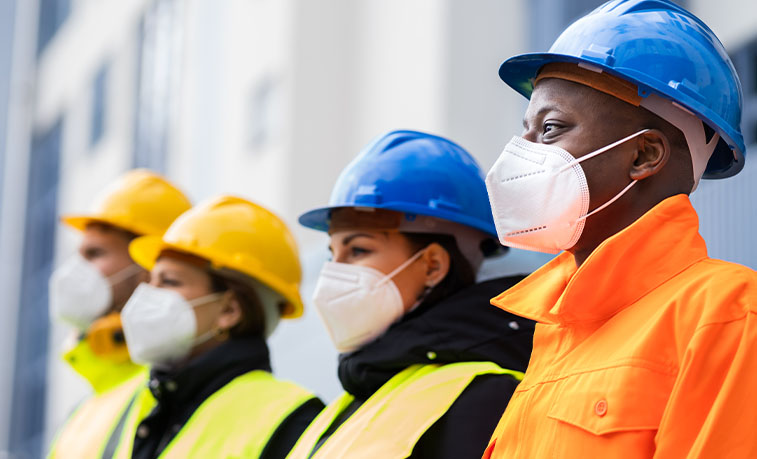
(101,373)
(88,429)
(392,420)
(238,420)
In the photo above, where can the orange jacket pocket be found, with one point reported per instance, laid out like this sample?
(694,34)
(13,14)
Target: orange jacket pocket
(611,400)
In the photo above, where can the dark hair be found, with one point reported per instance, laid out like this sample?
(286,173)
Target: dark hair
(460,274)
(253,319)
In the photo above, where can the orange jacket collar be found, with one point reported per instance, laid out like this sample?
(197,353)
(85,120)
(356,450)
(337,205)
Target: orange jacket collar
(626,266)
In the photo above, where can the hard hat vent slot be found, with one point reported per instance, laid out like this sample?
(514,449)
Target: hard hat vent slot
(600,54)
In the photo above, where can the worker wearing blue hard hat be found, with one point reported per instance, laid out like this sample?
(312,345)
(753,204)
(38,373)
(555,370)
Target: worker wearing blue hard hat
(424,358)
(644,346)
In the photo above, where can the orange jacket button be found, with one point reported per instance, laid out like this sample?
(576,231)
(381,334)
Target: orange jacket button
(601,407)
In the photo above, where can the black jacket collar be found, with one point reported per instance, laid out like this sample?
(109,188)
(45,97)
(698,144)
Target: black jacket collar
(181,391)
(463,327)
(210,371)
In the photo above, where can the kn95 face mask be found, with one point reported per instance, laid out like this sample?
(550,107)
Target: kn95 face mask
(79,293)
(539,195)
(160,326)
(356,303)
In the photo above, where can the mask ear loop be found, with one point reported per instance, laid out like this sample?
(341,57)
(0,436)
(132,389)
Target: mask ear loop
(602,150)
(617,196)
(205,299)
(202,301)
(399,268)
(127,272)
(599,152)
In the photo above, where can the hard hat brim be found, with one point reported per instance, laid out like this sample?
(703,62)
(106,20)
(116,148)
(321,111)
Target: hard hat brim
(80,223)
(519,72)
(318,219)
(145,250)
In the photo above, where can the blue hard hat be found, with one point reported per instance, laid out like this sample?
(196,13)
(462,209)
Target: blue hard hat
(414,173)
(663,49)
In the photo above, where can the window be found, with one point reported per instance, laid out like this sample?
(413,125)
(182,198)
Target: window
(30,372)
(52,14)
(265,111)
(7,18)
(158,79)
(550,17)
(745,61)
(99,110)
(727,210)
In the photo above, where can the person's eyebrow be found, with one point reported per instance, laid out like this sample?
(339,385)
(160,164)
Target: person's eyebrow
(541,112)
(347,239)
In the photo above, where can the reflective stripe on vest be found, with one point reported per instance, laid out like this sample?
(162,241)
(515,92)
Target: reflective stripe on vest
(86,432)
(238,420)
(393,419)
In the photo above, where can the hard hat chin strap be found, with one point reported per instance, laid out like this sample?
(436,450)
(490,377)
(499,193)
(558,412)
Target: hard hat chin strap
(700,149)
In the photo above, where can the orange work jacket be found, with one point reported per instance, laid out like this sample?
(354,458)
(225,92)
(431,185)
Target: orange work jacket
(648,350)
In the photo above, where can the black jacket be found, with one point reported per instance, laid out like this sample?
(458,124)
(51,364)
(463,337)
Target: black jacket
(461,328)
(179,393)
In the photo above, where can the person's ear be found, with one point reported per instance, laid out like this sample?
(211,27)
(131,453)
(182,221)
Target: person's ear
(651,155)
(437,260)
(231,312)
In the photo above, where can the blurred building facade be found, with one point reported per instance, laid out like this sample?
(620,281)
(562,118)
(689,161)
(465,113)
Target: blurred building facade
(268,99)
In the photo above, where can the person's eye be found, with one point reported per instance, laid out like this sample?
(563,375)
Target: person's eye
(549,127)
(93,253)
(358,251)
(169,282)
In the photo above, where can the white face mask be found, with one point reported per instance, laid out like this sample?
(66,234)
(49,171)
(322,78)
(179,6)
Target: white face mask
(79,293)
(539,195)
(356,303)
(160,326)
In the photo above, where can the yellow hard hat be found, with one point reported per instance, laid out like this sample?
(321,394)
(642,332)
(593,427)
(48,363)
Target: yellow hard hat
(140,201)
(233,233)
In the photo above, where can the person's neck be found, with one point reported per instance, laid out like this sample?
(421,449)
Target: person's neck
(611,221)
(602,227)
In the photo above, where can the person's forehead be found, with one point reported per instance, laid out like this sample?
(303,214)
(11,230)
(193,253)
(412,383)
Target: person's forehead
(98,235)
(563,95)
(577,101)
(177,266)
(178,258)
(348,234)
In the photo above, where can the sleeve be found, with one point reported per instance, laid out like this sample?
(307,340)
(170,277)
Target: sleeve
(291,429)
(711,411)
(465,429)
